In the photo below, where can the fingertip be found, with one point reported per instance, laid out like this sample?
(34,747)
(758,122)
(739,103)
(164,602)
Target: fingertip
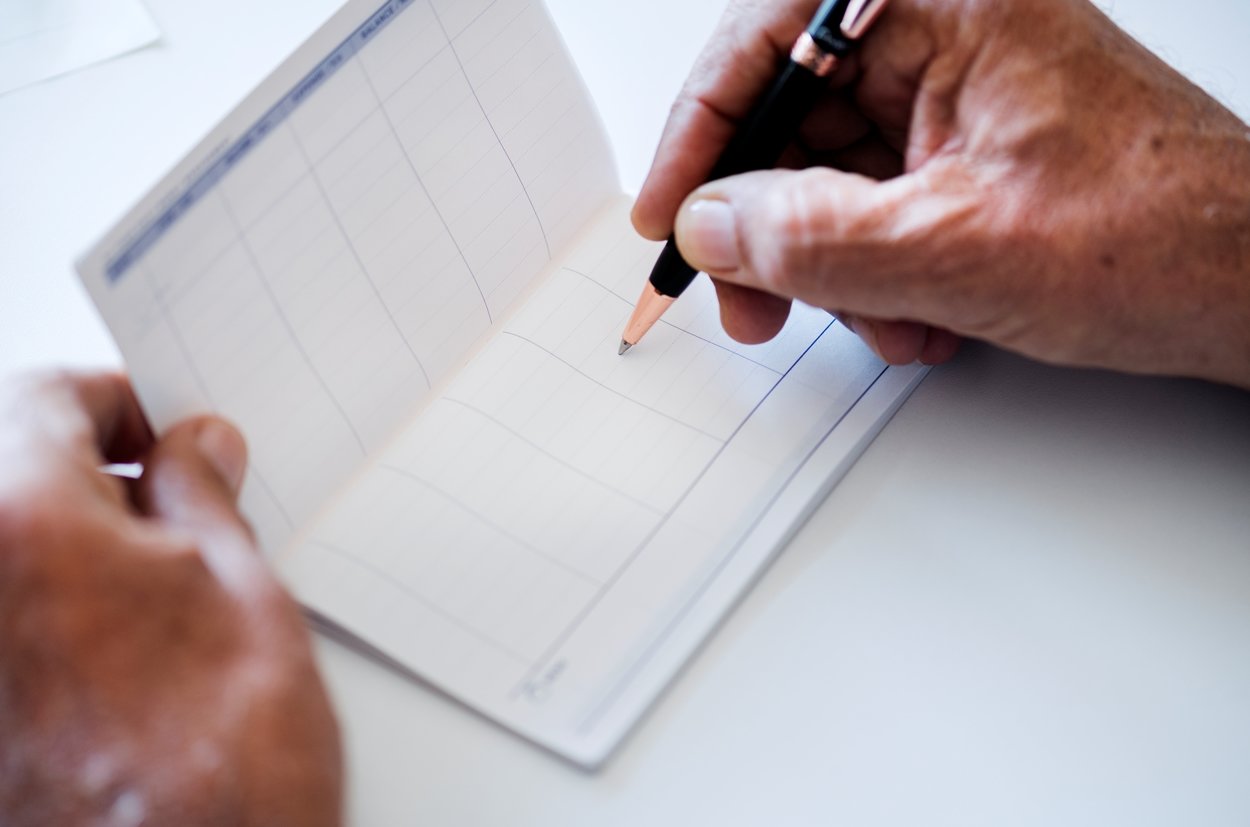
(749,316)
(93,411)
(692,141)
(190,490)
(707,234)
(225,449)
(197,467)
(646,222)
(897,343)
(940,347)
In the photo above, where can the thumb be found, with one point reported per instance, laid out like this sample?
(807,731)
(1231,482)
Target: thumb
(833,239)
(191,481)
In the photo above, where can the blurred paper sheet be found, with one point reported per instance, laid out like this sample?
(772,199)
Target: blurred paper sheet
(40,39)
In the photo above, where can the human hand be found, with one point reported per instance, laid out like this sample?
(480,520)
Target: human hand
(1021,172)
(152,671)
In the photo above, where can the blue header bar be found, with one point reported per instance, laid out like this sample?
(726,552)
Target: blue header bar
(117,268)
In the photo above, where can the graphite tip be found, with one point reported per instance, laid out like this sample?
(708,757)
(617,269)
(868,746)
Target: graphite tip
(625,346)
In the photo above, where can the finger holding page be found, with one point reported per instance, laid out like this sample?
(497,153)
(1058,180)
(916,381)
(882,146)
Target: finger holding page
(60,428)
(95,418)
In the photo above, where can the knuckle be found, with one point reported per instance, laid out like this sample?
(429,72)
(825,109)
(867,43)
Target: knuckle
(271,606)
(790,244)
(980,257)
(45,402)
(247,531)
(262,584)
(200,569)
(282,606)
(186,555)
(234,559)
(680,105)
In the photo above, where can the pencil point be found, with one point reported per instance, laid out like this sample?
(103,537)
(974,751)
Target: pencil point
(625,346)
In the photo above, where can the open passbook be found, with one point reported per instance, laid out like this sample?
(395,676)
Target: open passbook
(403,266)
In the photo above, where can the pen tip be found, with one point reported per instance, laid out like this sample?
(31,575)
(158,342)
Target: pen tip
(625,346)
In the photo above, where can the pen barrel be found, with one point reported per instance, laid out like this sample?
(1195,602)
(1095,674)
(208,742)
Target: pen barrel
(672,274)
(759,144)
(772,124)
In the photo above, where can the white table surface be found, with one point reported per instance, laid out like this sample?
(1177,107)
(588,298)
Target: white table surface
(1028,604)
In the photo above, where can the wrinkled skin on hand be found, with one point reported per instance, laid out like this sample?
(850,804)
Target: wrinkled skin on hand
(151,669)
(1018,171)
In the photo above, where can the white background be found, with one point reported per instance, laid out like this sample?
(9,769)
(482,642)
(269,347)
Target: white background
(1028,604)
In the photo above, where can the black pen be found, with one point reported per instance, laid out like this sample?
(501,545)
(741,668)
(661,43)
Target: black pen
(835,30)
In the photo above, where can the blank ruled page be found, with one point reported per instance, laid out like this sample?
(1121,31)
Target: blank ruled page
(555,504)
(402,266)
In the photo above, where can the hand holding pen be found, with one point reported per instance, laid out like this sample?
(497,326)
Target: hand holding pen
(760,139)
(1020,172)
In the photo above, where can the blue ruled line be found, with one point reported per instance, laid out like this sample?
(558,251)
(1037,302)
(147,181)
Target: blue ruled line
(118,266)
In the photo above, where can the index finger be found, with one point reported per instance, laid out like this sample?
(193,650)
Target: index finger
(733,71)
(93,415)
